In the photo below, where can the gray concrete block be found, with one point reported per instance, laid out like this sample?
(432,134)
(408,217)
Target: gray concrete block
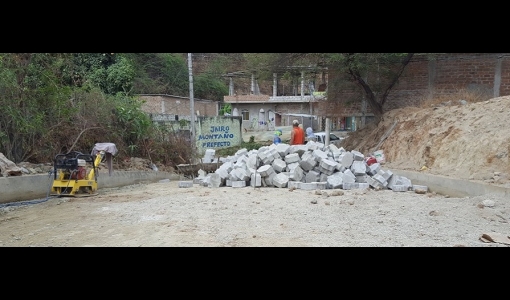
(420,189)
(294,184)
(292,158)
(256,180)
(312,176)
(358,156)
(335,181)
(346,159)
(296,174)
(400,188)
(359,167)
(361,178)
(238,184)
(373,169)
(308,186)
(350,185)
(185,184)
(281,180)
(279,165)
(215,181)
(363,186)
(321,185)
(265,170)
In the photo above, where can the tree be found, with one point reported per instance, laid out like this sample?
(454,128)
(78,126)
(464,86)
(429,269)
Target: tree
(374,74)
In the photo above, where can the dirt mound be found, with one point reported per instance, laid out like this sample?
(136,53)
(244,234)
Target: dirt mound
(457,139)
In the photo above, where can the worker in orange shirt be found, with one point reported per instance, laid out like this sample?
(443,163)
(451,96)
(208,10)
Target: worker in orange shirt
(297,135)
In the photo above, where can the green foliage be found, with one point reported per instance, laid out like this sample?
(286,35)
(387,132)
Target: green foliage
(160,73)
(226,109)
(207,87)
(31,96)
(209,84)
(183,123)
(131,118)
(251,145)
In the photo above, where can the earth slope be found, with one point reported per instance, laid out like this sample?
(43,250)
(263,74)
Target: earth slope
(457,139)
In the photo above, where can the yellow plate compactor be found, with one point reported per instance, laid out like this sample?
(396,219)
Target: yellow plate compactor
(75,174)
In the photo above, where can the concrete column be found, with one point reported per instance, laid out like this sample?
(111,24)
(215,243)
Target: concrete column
(231,87)
(497,76)
(252,84)
(302,84)
(275,85)
(327,131)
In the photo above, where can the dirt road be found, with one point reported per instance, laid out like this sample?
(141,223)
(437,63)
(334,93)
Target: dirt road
(162,214)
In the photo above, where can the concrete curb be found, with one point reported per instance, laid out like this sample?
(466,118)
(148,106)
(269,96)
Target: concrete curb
(452,186)
(21,188)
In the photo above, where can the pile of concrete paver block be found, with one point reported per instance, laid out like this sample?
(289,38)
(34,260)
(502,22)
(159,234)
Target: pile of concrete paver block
(308,167)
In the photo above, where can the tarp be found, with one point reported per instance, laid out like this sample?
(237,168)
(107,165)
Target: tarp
(110,150)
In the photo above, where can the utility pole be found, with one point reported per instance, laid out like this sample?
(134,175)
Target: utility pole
(192,107)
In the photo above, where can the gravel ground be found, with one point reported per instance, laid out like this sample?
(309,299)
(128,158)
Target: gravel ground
(162,214)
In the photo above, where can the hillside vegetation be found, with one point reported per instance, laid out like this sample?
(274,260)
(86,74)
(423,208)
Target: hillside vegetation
(58,102)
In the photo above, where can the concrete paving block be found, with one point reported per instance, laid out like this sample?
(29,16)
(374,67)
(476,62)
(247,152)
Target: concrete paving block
(374,183)
(242,151)
(185,184)
(335,181)
(308,186)
(380,179)
(296,174)
(350,185)
(256,180)
(294,184)
(312,176)
(323,177)
(348,176)
(269,179)
(222,173)
(308,161)
(319,155)
(358,156)
(321,185)
(361,178)
(388,174)
(279,165)
(400,188)
(373,169)
(363,186)
(238,183)
(265,170)
(281,180)
(420,189)
(282,149)
(292,158)
(328,165)
(290,167)
(359,167)
(346,159)
(215,180)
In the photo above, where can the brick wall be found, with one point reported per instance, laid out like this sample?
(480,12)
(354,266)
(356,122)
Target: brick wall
(487,73)
(174,105)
